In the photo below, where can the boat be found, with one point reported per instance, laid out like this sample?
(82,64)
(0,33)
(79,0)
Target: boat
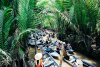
(50,62)
(32,42)
(54,55)
(52,52)
(72,61)
(71,51)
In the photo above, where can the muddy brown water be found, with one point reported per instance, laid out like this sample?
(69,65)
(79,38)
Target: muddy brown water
(64,64)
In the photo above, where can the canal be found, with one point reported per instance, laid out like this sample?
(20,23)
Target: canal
(77,54)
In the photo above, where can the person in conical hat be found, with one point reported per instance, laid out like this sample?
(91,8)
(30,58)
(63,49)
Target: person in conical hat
(38,60)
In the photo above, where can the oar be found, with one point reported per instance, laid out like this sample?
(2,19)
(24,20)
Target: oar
(61,58)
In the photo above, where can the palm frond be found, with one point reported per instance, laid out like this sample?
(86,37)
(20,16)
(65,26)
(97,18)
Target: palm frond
(6,19)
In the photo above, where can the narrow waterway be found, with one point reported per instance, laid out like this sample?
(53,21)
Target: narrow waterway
(79,55)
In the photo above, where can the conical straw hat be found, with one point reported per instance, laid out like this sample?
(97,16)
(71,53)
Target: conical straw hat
(38,56)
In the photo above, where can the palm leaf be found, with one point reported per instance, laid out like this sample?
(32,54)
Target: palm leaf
(6,19)
(1,24)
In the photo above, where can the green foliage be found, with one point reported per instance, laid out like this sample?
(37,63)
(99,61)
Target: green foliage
(57,14)
(79,15)
(4,57)
(5,3)
(23,10)
(6,16)
(28,18)
(83,13)
(21,52)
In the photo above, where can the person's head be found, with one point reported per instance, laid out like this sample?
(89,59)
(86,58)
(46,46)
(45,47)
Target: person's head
(57,48)
(46,41)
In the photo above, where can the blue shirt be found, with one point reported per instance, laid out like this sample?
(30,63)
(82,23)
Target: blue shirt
(48,49)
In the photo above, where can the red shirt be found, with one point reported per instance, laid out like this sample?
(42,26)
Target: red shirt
(38,65)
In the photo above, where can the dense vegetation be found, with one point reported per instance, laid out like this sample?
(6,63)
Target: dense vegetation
(18,18)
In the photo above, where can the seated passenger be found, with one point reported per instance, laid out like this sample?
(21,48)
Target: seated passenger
(58,51)
(54,42)
(37,37)
(53,35)
(59,44)
(47,42)
(69,46)
(65,55)
(49,35)
(65,47)
(48,49)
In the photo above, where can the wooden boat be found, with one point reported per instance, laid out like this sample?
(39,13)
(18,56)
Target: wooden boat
(53,53)
(71,62)
(50,62)
(71,51)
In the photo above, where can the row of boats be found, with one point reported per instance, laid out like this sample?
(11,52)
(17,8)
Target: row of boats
(51,50)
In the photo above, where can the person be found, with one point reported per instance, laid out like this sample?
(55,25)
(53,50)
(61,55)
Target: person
(65,47)
(54,42)
(37,37)
(49,35)
(38,60)
(58,50)
(48,49)
(46,32)
(78,63)
(69,47)
(33,36)
(41,41)
(75,64)
(66,55)
(53,35)
(47,42)
(59,44)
